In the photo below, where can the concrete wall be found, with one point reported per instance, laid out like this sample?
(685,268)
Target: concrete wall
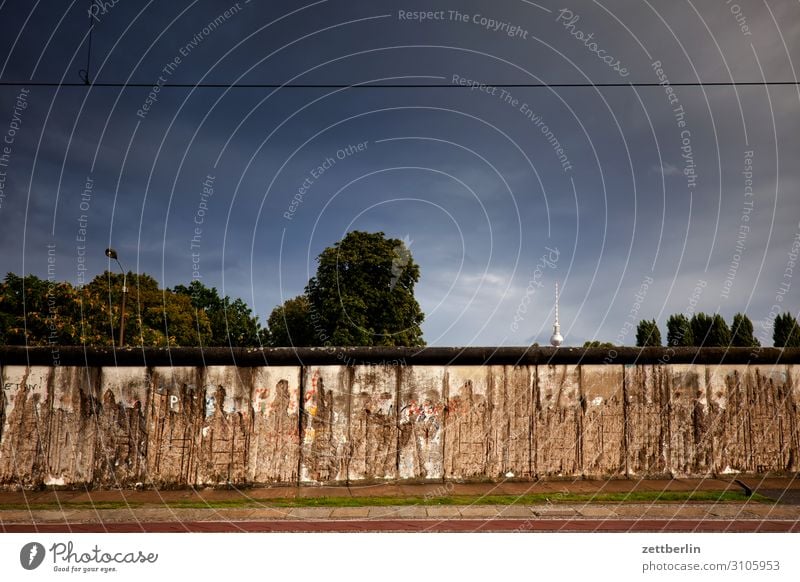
(174,426)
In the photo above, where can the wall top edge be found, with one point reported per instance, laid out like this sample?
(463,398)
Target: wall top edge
(442,356)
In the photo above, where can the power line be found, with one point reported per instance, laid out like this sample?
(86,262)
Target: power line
(85,74)
(389,85)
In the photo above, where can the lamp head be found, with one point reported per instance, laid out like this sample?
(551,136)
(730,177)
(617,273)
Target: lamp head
(111,254)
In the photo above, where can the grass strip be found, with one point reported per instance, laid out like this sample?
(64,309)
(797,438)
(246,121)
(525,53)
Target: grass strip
(379,501)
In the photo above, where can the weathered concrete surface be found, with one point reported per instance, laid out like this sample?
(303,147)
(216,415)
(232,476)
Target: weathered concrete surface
(324,431)
(178,426)
(511,454)
(756,409)
(771,416)
(793,407)
(725,410)
(373,423)
(689,436)
(226,427)
(603,422)
(468,421)
(421,422)
(647,420)
(488,422)
(275,442)
(26,429)
(558,421)
(122,429)
(73,428)
(174,418)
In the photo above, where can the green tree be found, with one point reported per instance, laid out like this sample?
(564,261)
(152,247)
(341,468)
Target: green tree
(742,332)
(597,344)
(679,331)
(648,334)
(290,324)
(720,332)
(710,331)
(785,333)
(363,293)
(153,317)
(242,326)
(35,311)
(701,329)
(206,298)
(231,322)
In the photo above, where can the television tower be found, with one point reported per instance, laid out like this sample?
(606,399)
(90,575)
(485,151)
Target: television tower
(556,339)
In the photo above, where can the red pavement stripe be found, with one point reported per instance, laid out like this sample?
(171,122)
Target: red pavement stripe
(422,525)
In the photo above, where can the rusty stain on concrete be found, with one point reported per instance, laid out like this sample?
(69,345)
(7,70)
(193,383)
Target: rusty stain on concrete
(122,429)
(324,427)
(421,422)
(26,430)
(373,423)
(173,425)
(274,442)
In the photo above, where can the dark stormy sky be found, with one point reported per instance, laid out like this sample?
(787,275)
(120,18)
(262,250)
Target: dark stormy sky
(635,196)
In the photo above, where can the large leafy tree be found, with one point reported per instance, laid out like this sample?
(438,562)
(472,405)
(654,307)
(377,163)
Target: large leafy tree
(786,333)
(363,293)
(679,331)
(648,334)
(290,324)
(742,332)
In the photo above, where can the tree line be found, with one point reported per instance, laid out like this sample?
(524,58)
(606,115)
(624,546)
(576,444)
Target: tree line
(35,311)
(712,331)
(362,294)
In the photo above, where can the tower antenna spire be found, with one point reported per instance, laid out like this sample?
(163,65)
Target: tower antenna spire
(556,339)
(556,302)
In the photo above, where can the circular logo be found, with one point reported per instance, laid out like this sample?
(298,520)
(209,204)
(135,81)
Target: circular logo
(31,555)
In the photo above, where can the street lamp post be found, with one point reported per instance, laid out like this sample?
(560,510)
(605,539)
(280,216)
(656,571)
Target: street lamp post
(112,254)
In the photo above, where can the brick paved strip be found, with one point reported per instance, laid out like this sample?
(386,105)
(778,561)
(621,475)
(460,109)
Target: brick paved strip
(686,511)
(420,525)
